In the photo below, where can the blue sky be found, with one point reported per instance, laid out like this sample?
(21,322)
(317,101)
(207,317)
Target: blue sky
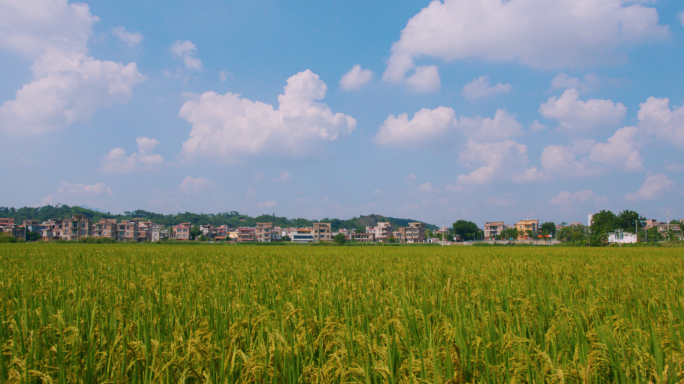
(483,110)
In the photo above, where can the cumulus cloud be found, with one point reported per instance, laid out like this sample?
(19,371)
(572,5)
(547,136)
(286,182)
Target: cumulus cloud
(501,202)
(428,126)
(267,204)
(480,88)
(78,193)
(116,160)
(427,187)
(224,75)
(355,78)
(566,199)
(590,83)
(658,120)
(539,33)
(68,85)
(563,160)
(229,128)
(495,161)
(284,177)
(681,18)
(186,51)
(502,126)
(129,38)
(654,187)
(537,126)
(621,151)
(424,79)
(195,185)
(576,116)
(438,127)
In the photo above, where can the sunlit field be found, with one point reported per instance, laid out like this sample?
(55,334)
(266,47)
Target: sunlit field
(301,314)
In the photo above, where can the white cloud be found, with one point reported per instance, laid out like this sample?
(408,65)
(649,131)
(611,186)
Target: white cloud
(681,18)
(267,204)
(258,176)
(129,38)
(438,127)
(502,126)
(68,85)
(621,151)
(657,119)
(425,79)
(224,75)
(355,78)
(410,178)
(427,187)
(537,126)
(187,51)
(577,116)
(654,186)
(562,160)
(501,202)
(590,83)
(228,127)
(495,161)
(31,27)
(196,185)
(78,193)
(284,177)
(539,33)
(426,127)
(116,160)
(567,199)
(480,88)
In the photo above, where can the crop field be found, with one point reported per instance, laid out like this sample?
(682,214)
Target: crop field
(297,314)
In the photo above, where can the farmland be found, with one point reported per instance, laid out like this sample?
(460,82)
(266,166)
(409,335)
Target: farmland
(299,314)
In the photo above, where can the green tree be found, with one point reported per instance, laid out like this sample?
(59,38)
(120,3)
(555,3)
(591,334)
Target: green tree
(286,238)
(627,220)
(32,236)
(467,230)
(548,228)
(603,222)
(340,239)
(195,232)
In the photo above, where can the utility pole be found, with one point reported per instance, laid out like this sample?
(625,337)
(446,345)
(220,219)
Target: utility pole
(443,226)
(667,218)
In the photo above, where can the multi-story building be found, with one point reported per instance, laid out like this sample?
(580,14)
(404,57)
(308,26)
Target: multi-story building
(130,231)
(492,229)
(7,226)
(106,228)
(209,231)
(367,237)
(160,233)
(322,232)
(527,228)
(182,231)
(245,235)
(399,235)
(382,231)
(414,233)
(77,227)
(264,232)
(302,235)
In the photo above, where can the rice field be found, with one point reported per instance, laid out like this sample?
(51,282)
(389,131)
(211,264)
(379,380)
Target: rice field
(81,313)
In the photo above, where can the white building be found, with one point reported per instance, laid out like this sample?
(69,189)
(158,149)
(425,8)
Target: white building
(622,238)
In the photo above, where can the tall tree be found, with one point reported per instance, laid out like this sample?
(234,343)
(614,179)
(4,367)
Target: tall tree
(628,220)
(603,223)
(548,228)
(465,229)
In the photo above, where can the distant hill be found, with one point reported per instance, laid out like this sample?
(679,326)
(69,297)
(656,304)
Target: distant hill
(233,219)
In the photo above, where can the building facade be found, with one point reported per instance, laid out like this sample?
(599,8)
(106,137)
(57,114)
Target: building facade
(414,233)
(492,229)
(322,232)
(527,228)
(264,232)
